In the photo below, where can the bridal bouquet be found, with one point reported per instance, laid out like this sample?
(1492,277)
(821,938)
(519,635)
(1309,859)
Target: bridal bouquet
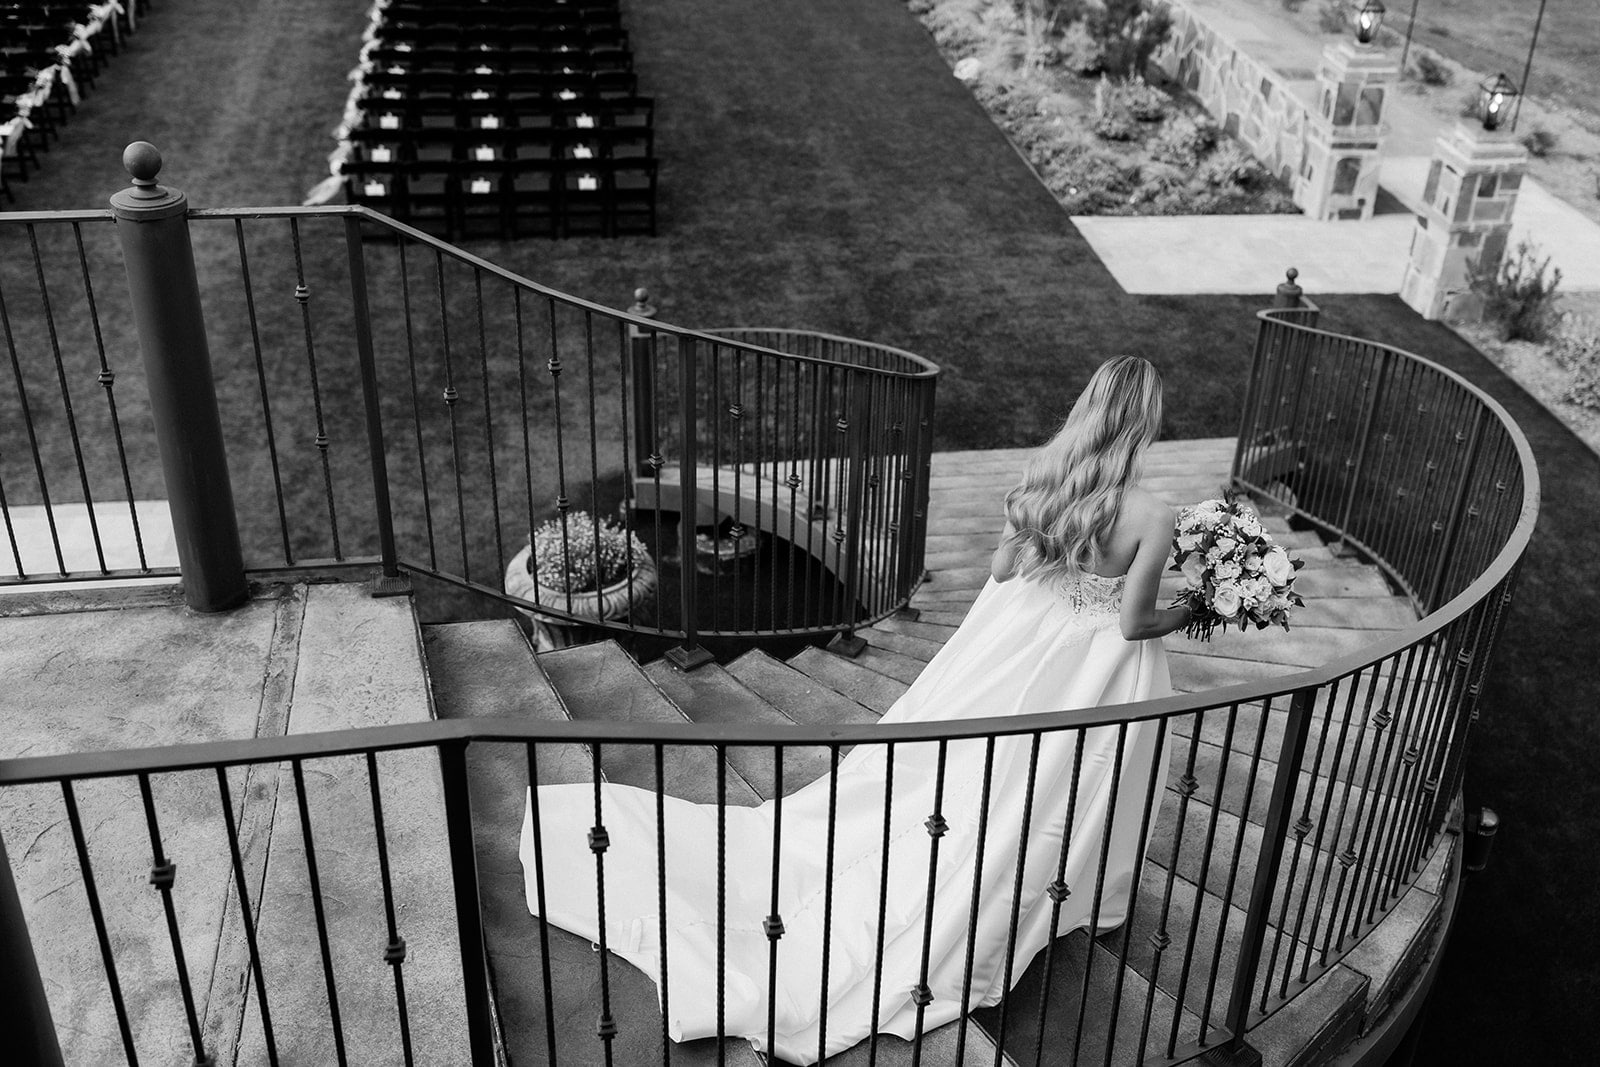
(1233,571)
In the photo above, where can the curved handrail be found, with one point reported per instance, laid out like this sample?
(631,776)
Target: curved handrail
(1401,459)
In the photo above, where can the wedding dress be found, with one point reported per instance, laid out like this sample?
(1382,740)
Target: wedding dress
(1025,646)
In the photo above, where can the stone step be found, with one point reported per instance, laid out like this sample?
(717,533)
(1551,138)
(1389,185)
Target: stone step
(487,669)
(710,694)
(932,632)
(601,682)
(799,696)
(887,638)
(1112,990)
(863,684)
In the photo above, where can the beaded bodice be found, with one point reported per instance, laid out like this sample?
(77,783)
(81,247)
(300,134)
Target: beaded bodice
(1092,594)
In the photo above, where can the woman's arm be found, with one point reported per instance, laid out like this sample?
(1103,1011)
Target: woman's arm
(1005,557)
(1141,619)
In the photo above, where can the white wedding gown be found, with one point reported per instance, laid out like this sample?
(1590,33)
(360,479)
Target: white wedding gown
(1024,647)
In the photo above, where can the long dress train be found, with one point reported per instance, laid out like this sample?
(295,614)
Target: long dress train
(1024,647)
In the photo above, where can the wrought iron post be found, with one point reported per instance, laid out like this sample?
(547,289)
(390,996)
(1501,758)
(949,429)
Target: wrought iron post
(469,905)
(847,643)
(641,352)
(689,655)
(24,1009)
(390,583)
(154,231)
(1236,1053)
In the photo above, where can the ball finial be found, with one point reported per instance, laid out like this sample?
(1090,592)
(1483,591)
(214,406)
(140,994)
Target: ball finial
(142,160)
(641,303)
(1291,274)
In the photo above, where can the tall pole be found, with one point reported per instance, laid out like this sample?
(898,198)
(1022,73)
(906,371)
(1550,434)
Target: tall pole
(153,225)
(1527,68)
(1406,49)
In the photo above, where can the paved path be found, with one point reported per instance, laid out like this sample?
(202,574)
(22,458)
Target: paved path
(1246,254)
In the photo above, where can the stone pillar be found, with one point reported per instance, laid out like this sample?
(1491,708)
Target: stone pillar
(1338,177)
(1466,215)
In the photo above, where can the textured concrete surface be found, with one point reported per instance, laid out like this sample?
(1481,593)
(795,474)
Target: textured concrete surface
(136,673)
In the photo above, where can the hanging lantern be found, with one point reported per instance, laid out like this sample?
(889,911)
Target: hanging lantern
(1368,19)
(1494,100)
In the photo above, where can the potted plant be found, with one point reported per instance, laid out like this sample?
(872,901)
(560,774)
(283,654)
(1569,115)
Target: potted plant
(596,570)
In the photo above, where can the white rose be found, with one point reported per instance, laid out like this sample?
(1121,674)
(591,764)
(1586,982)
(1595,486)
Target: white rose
(1194,572)
(1252,563)
(1190,542)
(1226,545)
(1278,566)
(1225,601)
(1258,590)
(1249,526)
(1227,570)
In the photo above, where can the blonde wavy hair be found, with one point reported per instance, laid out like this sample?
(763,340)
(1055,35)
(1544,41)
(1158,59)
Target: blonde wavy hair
(1063,511)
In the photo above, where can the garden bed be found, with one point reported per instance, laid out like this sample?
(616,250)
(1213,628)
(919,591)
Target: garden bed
(1102,143)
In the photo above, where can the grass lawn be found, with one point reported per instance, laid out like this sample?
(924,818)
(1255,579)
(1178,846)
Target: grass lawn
(821,169)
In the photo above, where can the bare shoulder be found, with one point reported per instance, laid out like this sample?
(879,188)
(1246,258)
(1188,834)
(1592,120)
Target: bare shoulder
(1148,514)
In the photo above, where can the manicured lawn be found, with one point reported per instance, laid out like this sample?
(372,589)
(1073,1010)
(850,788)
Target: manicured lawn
(821,169)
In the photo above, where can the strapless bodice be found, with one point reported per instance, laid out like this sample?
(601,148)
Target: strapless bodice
(1091,594)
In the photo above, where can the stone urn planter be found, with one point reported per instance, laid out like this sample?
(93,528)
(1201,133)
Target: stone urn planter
(543,583)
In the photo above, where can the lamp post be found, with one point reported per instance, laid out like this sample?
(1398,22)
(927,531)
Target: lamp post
(1368,20)
(1527,68)
(1494,99)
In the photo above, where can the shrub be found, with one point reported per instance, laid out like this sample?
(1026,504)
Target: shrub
(1331,17)
(1520,296)
(1184,140)
(1144,102)
(575,561)
(1539,142)
(1578,350)
(1128,32)
(1078,51)
(1230,166)
(1433,72)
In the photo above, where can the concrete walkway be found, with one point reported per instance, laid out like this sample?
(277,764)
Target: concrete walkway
(1247,254)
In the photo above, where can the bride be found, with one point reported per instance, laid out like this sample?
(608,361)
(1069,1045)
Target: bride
(1068,620)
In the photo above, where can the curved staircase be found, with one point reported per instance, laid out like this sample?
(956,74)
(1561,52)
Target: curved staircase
(487,669)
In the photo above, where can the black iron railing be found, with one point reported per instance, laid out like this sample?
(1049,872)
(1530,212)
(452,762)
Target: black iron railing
(1295,814)
(391,399)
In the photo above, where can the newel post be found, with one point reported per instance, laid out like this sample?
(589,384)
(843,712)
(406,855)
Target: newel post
(153,227)
(24,1009)
(641,354)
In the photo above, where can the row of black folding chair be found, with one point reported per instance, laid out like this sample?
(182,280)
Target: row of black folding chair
(509,61)
(505,85)
(470,37)
(488,146)
(457,11)
(580,112)
(515,199)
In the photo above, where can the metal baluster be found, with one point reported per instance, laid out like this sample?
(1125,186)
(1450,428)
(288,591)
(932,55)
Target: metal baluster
(451,397)
(527,440)
(1302,827)
(33,449)
(972,913)
(722,902)
(377,451)
(1100,887)
(537,824)
(1324,826)
(317,909)
(594,445)
(1158,940)
(563,504)
(1187,785)
(714,420)
(689,655)
(69,797)
(469,909)
(162,874)
(245,912)
(488,428)
(1237,858)
(1058,891)
(261,381)
(302,296)
(1274,832)
(66,399)
(921,995)
(773,924)
(661,910)
(394,951)
(827,899)
(1202,882)
(416,407)
(883,899)
(107,379)
(737,530)
(1017,883)
(599,841)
